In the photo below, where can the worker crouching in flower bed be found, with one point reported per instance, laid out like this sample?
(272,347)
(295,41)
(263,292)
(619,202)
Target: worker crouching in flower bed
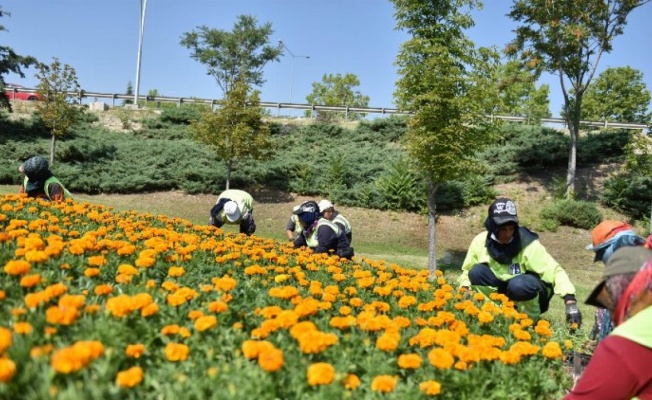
(320,234)
(40,182)
(510,259)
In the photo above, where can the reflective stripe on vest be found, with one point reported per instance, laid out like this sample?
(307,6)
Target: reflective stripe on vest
(339,218)
(312,241)
(297,224)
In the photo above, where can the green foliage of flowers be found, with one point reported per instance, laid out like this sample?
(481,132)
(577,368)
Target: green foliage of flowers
(98,304)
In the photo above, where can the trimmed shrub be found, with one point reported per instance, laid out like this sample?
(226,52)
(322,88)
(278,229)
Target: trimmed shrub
(630,193)
(569,212)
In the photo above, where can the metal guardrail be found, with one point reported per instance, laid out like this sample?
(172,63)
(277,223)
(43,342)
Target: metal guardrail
(314,107)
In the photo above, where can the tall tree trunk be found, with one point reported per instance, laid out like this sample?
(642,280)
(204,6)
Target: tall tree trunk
(432,229)
(573,119)
(53,143)
(228,174)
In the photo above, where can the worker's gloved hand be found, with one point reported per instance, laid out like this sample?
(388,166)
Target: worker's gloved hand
(573,315)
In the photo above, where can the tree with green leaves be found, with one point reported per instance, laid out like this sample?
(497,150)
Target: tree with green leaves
(337,90)
(448,84)
(11,62)
(567,39)
(236,55)
(519,95)
(617,94)
(130,92)
(57,110)
(236,130)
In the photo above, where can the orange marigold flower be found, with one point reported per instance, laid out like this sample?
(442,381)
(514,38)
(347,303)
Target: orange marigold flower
(96,261)
(194,314)
(149,310)
(135,350)
(6,339)
(383,383)
(130,377)
(36,256)
(91,272)
(485,317)
(92,309)
(217,306)
(271,360)
(205,323)
(176,272)
(430,388)
(176,351)
(551,350)
(441,358)
(17,267)
(388,341)
(102,290)
(510,357)
(409,361)
(38,351)
(351,382)
(29,281)
(127,269)
(7,369)
(522,335)
(23,328)
(3,295)
(320,374)
(252,348)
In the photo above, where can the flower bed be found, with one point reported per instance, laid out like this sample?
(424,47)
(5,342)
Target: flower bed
(99,304)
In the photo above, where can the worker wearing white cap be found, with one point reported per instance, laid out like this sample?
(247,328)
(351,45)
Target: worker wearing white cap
(234,207)
(327,211)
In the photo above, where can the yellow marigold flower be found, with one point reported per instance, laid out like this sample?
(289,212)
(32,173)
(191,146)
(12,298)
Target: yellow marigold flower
(407,301)
(441,358)
(36,256)
(527,322)
(7,370)
(485,317)
(6,339)
(271,360)
(91,272)
(17,267)
(130,377)
(61,315)
(409,361)
(461,365)
(388,341)
(120,306)
(96,261)
(135,350)
(252,348)
(149,310)
(281,278)
(430,388)
(568,344)
(23,328)
(383,383)
(127,269)
(176,351)
(194,314)
(320,374)
(29,281)
(237,326)
(102,290)
(478,297)
(314,342)
(217,306)
(151,283)
(175,300)
(522,335)
(551,350)
(351,382)
(224,283)
(145,262)
(176,272)
(510,357)
(205,323)
(123,279)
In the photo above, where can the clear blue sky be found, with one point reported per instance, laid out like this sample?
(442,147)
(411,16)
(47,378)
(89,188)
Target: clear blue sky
(99,38)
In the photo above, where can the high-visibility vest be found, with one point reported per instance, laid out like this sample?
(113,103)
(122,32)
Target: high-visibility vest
(52,179)
(344,222)
(312,241)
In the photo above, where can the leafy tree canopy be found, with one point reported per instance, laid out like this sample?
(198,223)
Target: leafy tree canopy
(337,90)
(518,93)
(56,110)
(617,94)
(235,131)
(236,55)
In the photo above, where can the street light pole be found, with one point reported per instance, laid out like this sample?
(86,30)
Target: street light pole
(291,65)
(143,7)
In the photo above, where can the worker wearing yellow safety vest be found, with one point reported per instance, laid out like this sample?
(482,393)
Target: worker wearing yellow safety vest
(320,234)
(328,211)
(40,182)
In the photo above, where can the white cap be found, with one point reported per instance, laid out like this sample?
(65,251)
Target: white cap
(324,205)
(231,211)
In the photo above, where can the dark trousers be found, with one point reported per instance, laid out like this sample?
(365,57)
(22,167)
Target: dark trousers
(522,287)
(247,224)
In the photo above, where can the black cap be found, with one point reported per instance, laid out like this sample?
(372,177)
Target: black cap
(502,211)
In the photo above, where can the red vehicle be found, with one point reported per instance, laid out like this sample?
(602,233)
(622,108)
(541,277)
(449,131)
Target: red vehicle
(12,93)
